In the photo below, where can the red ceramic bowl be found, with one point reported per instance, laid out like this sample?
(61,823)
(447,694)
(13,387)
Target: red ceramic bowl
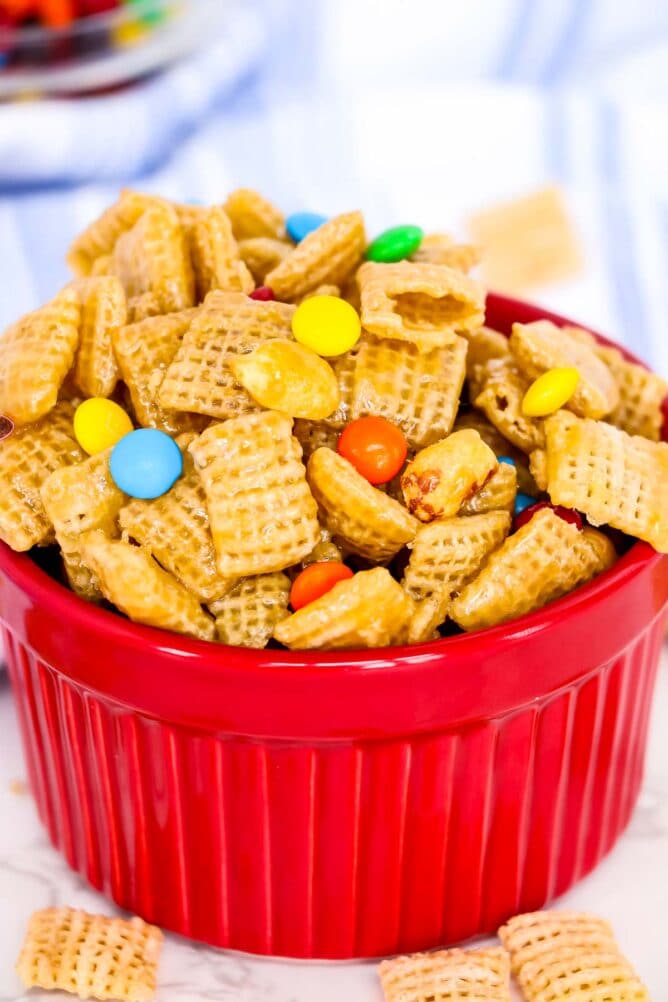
(342,804)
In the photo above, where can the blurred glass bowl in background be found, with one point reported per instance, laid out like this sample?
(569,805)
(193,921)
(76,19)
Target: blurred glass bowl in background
(102,51)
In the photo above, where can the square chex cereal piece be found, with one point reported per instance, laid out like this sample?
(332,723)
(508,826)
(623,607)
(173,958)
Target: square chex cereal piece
(262,254)
(36,353)
(418,391)
(28,456)
(131,580)
(104,312)
(545,559)
(448,553)
(447,976)
(99,238)
(542,345)
(368,610)
(571,956)
(641,395)
(215,255)
(441,248)
(326,256)
(426,304)
(613,478)
(247,616)
(91,956)
(153,257)
(263,517)
(252,215)
(174,528)
(144,351)
(364,519)
(198,379)
(77,499)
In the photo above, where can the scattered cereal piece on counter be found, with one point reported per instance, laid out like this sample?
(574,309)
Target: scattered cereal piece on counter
(315,580)
(92,956)
(370,609)
(557,954)
(481,975)
(326,324)
(18,787)
(146,463)
(300,224)
(394,244)
(99,424)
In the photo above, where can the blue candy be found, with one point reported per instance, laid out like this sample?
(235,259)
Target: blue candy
(506,459)
(523,501)
(300,224)
(145,463)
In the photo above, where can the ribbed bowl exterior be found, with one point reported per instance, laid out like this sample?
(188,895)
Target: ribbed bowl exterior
(338,848)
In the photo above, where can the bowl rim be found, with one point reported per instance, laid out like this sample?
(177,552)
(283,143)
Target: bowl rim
(41,588)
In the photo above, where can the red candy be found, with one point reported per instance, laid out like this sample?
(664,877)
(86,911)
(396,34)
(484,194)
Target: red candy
(568,514)
(263,294)
(375,447)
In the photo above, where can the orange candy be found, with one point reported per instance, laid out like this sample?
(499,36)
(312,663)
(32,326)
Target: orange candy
(375,447)
(316,580)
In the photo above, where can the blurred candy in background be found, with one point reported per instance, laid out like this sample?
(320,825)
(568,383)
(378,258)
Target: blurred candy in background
(536,128)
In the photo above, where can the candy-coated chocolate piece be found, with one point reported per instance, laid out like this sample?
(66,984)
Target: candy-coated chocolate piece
(328,325)
(664,428)
(395,244)
(100,423)
(375,447)
(550,391)
(300,224)
(523,501)
(507,459)
(316,580)
(6,426)
(263,294)
(567,514)
(146,463)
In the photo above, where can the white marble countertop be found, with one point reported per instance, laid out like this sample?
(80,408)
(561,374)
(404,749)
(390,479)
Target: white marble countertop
(629,888)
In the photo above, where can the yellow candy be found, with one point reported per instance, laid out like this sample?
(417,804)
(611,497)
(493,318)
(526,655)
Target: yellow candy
(100,423)
(326,324)
(550,392)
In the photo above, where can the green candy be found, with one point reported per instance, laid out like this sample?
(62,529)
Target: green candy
(395,244)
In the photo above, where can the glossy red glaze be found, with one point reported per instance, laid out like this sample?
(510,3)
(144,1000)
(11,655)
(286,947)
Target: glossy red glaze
(337,804)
